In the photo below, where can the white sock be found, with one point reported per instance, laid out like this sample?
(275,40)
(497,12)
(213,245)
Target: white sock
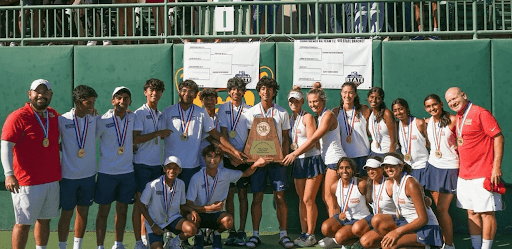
(77,244)
(256,233)
(476,241)
(40,247)
(486,243)
(283,233)
(100,247)
(216,232)
(62,244)
(143,237)
(435,29)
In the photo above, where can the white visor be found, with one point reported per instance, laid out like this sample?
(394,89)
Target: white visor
(371,163)
(296,95)
(391,160)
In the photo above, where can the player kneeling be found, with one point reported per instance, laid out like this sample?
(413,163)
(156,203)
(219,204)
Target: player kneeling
(161,202)
(207,192)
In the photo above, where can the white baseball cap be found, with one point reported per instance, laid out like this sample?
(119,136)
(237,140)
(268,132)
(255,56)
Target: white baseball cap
(119,88)
(38,82)
(296,95)
(391,160)
(172,159)
(372,163)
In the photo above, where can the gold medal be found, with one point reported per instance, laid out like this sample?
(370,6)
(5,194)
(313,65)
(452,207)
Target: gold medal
(408,157)
(120,150)
(377,144)
(460,141)
(397,214)
(46,142)
(184,136)
(81,153)
(294,146)
(438,154)
(349,139)
(232,134)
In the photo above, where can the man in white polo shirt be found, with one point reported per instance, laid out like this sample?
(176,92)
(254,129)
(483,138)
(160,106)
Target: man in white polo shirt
(188,124)
(116,180)
(77,129)
(147,134)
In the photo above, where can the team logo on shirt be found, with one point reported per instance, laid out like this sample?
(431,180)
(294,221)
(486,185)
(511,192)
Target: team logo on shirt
(414,137)
(228,112)
(109,125)
(354,200)
(263,129)
(70,126)
(159,192)
(51,115)
(148,116)
(468,121)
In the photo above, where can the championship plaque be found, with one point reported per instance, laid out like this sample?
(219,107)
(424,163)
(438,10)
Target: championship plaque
(263,141)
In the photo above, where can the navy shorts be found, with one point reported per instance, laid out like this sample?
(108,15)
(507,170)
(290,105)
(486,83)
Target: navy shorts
(421,176)
(144,174)
(308,167)
(152,238)
(427,235)
(209,220)
(242,182)
(111,188)
(277,174)
(331,166)
(352,221)
(441,180)
(360,162)
(187,173)
(381,155)
(76,192)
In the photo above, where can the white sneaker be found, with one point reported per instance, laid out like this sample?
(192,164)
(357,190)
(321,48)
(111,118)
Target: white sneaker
(107,43)
(327,242)
(139,245)
(13,44)
(92,43)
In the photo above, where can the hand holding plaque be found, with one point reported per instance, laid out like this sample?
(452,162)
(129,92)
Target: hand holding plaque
(263,141)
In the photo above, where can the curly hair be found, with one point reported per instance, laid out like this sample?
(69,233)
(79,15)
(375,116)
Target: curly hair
(236,83)
(190,84)
(83,92)
(154,84)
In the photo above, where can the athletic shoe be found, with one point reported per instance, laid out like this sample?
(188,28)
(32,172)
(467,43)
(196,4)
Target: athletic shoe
(417,38)
(91,43)
(241,238)
(308,241)
(231,238)
(216,243)
(299,239)
(118,247)
(13,44)
(327,242)
(139,245)
(445,246)
(199,241)
(208,238)
(107,43)
(434,38)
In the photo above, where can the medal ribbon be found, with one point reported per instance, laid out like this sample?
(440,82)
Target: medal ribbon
(437,138)
(153,117)
(460,126)
(264,114)
(346,199)
(401,186)
(215,180)
(407,141)
(121,135)
(235,118)
(376,200)
(183,126)
(167,202)
(376,130)
(216,121)
(45,129)
(296,126)
(81,136)
(349,127)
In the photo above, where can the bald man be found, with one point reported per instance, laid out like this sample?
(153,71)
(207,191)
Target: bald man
(480,144)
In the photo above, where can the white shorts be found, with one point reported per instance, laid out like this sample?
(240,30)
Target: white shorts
(472,195)
(36,202)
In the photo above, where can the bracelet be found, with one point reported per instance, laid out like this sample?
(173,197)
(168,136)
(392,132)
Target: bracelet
(153,224)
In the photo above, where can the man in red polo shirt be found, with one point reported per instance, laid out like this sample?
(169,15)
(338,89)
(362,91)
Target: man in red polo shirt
(480,144)
(30,158)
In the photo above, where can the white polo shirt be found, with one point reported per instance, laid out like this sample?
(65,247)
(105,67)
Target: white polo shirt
(281,118)
(205,143)
(110,161)
(187,151)
(153,198)
(149,152)
(226,118)
(218,191)
(74,167)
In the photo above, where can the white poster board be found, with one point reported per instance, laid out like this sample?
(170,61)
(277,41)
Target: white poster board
(332,62)
(211,65)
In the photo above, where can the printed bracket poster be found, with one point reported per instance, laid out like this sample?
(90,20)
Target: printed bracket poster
(211,65)
(332,62)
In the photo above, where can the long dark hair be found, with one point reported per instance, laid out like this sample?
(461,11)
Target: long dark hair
(369,182)
(403,103)
(445,116)
(380,114)
(357,102)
